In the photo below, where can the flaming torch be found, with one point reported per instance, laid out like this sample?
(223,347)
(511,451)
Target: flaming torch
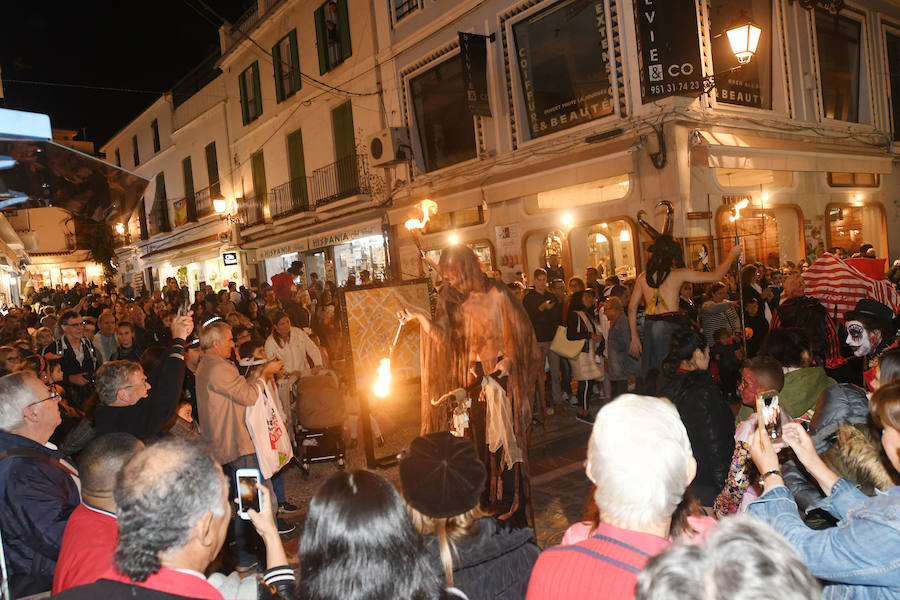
(415,226)
(383,380)
(734,218)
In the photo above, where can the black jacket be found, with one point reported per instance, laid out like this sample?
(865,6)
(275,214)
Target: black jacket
(709,424)
(76,395)
(495,563)
(544,322)
(146,418)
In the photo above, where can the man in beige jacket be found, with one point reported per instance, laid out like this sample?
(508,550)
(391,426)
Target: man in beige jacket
(223,396)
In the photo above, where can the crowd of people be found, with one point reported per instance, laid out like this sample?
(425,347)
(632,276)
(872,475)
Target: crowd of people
(123,424)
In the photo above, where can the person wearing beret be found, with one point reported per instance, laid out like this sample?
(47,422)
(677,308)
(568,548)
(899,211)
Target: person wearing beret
(442,480)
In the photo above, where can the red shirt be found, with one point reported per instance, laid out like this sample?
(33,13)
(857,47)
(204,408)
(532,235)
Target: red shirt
(87,547)
(605,565)
(282,283)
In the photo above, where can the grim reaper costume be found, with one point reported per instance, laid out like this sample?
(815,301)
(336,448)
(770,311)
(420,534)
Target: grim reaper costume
(478,323)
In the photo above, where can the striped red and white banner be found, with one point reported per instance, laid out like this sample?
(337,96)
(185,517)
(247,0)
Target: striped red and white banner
(839,286)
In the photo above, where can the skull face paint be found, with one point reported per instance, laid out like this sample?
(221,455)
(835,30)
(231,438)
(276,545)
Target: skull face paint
(860,339)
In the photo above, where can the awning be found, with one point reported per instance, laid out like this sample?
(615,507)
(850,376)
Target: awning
(36,172)
(733,151)
(601,162)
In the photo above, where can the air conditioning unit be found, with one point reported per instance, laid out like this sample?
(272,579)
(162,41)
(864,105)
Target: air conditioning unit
(388,147)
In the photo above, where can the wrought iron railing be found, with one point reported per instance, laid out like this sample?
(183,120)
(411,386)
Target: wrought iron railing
(290,198)
(252,209)
(343,178)
(203,200)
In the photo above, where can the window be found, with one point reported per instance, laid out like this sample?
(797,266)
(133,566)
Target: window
(332,34)
(286,59)
(251,98)
(403,8)
(445,126)
(893,59)
(134,150)
(187,174)
(118,158)
(564,66)
(466,217)
(212,170)
(853,179)
(851,226)
(154,129)
(771,235)
(751,85)
(839,41)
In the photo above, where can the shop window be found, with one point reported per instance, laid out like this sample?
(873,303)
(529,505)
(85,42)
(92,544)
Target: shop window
(602,190)
(770,235)
(332,34)
(482,249)
(564,67)
(892,41)
(849,227)
(541,247)
(445,127)
(363,254)
(749,178)
(286,60)
(608,246)
(751,85)
(251,97)
(870,180)
(466,217)
(839,43)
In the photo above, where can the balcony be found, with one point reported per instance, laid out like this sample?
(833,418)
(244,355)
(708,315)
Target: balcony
(341,179)
(290,198)
(159,218)
(245,23)
(203,200)
(253,209)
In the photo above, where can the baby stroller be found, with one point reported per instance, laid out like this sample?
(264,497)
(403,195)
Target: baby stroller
(320,413)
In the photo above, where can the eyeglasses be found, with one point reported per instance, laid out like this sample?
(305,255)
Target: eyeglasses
(54,395)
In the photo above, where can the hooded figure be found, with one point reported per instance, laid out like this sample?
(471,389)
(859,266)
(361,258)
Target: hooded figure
(481,340)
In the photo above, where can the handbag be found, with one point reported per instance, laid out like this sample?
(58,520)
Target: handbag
(585,366)
(563,346)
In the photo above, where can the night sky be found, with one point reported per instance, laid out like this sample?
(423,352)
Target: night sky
(105,43)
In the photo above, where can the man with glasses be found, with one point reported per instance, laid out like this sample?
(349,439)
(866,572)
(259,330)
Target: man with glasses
(78,358)
(129,403)
(38,485)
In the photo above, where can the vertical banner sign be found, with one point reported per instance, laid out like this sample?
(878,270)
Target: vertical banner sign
(669,48)
(473,54)
(751,85)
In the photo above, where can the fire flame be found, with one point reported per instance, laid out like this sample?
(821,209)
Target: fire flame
(429,208)
(383,381)
(737,208)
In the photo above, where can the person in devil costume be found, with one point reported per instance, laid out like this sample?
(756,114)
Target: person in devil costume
(482,341)
(658,288)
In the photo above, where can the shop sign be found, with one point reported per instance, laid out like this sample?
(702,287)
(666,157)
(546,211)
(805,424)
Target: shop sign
(699,215)
(563,59)
(750,85)
(473,54)
(668,48)
(287,248)
(230,258)
(342,237)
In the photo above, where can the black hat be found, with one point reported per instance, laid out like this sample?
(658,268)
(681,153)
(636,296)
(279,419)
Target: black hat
(441,475)
(871,309)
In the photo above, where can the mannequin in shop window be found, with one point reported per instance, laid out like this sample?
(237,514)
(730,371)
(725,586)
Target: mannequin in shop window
(481,342)
(658,289)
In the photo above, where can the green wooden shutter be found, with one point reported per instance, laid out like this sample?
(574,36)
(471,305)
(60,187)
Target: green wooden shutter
(279,76)
(344,20)
(187,172)
(245,118)
(342,127)
(295,60)
(321,39)
(256,91)
(297,167)
(259,175)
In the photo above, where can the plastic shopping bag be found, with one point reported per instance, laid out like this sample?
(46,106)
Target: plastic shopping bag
(268,432)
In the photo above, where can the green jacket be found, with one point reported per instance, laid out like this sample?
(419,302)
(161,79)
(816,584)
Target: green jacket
(801,390)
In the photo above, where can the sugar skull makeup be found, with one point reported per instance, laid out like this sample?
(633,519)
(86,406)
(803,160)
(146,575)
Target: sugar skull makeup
(859,338)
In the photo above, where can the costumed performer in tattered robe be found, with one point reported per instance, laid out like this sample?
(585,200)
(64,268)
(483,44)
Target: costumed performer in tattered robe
(482,340)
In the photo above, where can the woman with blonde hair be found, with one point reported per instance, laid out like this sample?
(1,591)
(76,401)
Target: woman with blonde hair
(442,479)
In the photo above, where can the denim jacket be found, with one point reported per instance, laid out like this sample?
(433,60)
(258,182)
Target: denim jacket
(858,559)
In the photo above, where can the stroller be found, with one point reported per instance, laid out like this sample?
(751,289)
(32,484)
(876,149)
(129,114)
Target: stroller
(319,416)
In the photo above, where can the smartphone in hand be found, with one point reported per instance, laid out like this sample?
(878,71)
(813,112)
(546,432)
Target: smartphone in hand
(769,413)
(249,496)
